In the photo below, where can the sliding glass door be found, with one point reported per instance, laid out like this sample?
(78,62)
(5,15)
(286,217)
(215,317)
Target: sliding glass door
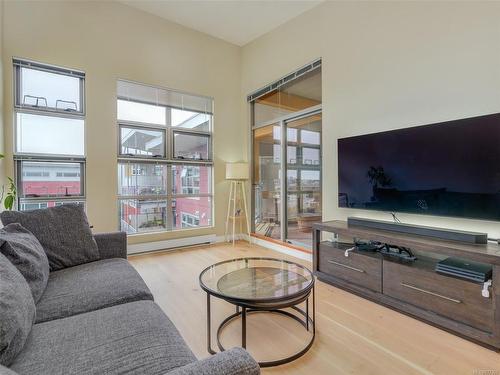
(266,181)
(286,156)
(290,147)
(303,171)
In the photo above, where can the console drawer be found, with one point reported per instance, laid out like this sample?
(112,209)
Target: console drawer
(361,269)
(453,298)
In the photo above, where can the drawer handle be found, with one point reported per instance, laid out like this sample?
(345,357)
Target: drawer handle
(431,293)
(346,266)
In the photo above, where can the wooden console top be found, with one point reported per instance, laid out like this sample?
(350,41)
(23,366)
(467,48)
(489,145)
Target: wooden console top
(489,253)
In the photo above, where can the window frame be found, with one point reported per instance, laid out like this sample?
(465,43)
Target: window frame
(134,125)
(20,157)
(169,195)
(19,179)
(169,160)
(18,64)
(169,139)
(137,205)
(47,114)
(203,134)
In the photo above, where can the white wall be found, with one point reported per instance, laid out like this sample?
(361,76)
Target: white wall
(388,65)
(109,40)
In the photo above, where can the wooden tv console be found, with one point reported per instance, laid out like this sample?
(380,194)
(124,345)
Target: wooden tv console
(414,288)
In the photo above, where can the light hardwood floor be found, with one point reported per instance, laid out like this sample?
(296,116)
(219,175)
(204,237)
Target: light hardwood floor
(354,336)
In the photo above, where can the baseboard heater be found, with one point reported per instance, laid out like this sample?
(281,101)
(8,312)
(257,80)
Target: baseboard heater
(420,230)
(171,244)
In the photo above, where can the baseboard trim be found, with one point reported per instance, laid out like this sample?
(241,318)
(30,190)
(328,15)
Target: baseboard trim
(237,237)
(281,248)
(171,244)
(177,243)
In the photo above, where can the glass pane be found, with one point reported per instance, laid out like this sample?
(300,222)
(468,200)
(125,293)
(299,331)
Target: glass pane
(291,134)
(292,182)
(31,205)
(310,156)
(41,179)
(190,120)
(192,212)
(310,137)
(266,184)
(189,146)
(304,182)
(136,141)
(299,94)
(140,112)
(137,215)
(164,97)
(49,135)
(191,179)
(310,180)
(142,179)
(50,90)
(291,154)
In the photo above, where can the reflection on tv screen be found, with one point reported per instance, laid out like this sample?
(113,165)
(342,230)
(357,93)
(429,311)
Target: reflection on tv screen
(448,169)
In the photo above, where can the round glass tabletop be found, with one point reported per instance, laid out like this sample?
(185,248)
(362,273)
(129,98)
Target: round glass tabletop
(256,279)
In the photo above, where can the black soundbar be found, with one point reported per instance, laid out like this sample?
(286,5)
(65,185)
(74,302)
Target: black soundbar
(420,230)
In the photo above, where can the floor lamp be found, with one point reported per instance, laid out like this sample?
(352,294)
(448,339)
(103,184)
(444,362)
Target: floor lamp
(237,174)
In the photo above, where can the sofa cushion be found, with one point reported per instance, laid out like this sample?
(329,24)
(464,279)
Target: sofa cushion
(90,287)
(63,231)
(6,371)
(17,311)
(133,338)
(24,251)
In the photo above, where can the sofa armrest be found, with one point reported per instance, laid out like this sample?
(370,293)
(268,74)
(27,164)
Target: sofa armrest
(236,361)
(112,245)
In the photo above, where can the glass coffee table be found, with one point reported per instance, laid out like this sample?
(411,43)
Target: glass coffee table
(257,285)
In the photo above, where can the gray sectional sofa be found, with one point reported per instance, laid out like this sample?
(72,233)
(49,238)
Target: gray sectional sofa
(99,317)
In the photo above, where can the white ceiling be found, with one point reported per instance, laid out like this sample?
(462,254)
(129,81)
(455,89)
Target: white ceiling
(235,21)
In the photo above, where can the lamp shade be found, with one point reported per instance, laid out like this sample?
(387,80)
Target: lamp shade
(237,171)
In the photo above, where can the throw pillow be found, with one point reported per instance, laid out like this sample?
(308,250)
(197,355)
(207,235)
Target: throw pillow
(63,231)
(26,253)
(17,311)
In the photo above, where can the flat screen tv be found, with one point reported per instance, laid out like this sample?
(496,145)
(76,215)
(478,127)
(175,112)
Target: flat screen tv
(448,169)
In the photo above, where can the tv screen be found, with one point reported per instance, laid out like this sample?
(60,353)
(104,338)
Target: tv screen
(448,169)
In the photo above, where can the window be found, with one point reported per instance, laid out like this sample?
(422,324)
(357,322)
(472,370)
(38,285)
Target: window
(197,207)
(142,142)
(310,137)
(50,179)
(48,88)
(140,112)
(189,180)
(142,215)
(32,206)
(46,204)
(190,146)
(189,220)
(49,135)
(190,120)
(165,159)
(141,179)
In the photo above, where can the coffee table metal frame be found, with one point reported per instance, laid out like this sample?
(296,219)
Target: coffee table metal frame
(274,305)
